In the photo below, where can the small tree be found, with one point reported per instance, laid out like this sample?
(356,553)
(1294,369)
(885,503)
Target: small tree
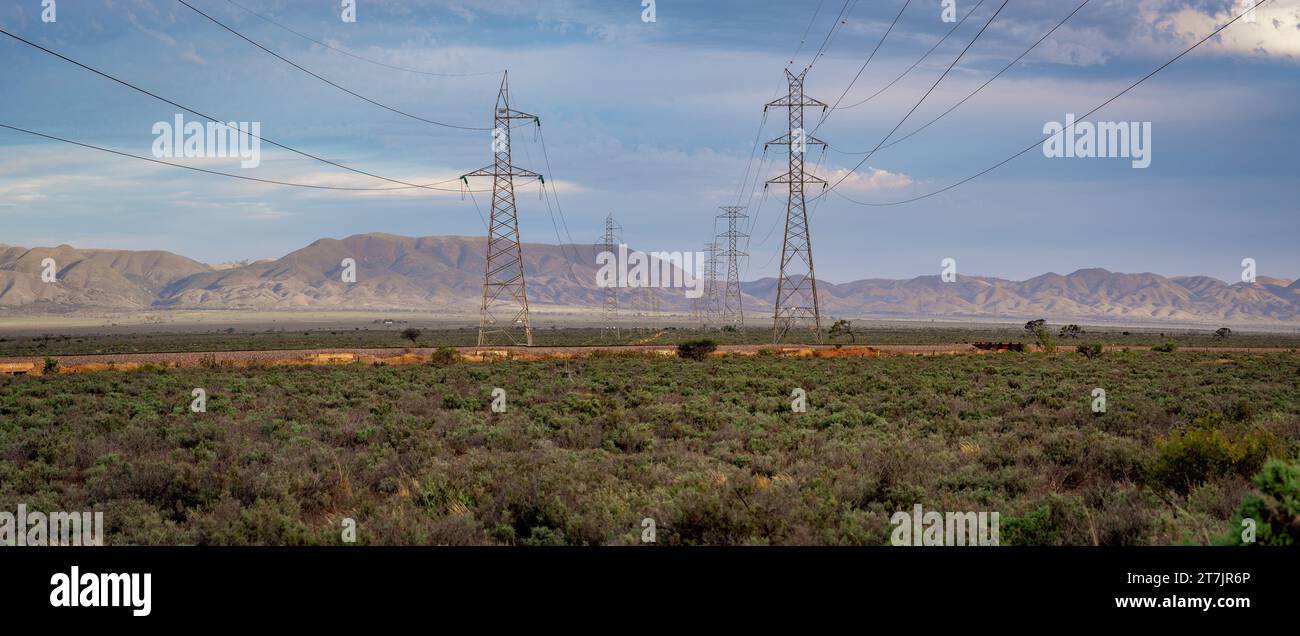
(1223,333)
(51,366)
(412,334)
(842,328)
(1045,340)
(696,349)
(1273,510)
(444,356)
(1090,351)
(1034,325)
(1070,331)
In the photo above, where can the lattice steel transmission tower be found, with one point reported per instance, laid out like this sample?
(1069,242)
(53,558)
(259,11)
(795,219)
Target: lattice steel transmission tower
(710,300)
(609,244)
(796,288)
(732,314)
(504,293)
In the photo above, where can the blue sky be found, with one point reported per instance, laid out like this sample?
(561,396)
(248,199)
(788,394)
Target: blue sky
(654,122)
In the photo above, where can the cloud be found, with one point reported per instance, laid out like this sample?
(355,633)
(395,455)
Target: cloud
(247,210)
(655,121)
(1273,30)
(34,189)
(187,51)
(1164,27)
(868,180)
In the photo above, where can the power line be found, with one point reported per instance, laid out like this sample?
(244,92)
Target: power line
(977,90)
(342,88)
(753,223)
(914,64)
(920,101)
(353,55)
(479,210)
(749,201)
(758,134)
(838,27)
(550,211)
(753,220)
(203,170)
(804,38)
(830,35)
(862,68)
(218,121)
(1084,117)
(541,137)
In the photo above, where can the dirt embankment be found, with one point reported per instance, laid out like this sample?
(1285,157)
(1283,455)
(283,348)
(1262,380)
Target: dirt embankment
(309,357)
(398,355)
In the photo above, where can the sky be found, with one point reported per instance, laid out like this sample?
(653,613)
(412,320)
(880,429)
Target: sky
(655,122)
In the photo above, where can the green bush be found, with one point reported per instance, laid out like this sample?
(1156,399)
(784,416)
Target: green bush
(1049,523)
(1091,350)
(444,356)
(1184,460)
(696,349)
(1275,509)
(408,453)
(51,366)
(1165,347)
(1045,340)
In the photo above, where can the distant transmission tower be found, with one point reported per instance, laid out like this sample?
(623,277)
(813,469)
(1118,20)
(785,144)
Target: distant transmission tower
(796,288)
(503,278)
(732,313)
(609,245)
(710,300)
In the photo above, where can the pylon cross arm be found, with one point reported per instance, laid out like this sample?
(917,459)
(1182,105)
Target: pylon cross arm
(510,113)
(784,140)
(807,178)
(491,171)
(786,102)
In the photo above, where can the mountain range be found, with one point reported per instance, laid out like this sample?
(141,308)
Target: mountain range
(445,274)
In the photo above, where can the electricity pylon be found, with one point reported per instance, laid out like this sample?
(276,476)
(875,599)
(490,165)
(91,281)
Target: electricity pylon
(732,314)
(504,292)
(796,288)
(609,245)
(710,298)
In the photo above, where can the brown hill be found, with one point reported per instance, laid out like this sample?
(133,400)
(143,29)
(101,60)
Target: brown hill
(444,273)
(89,278)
